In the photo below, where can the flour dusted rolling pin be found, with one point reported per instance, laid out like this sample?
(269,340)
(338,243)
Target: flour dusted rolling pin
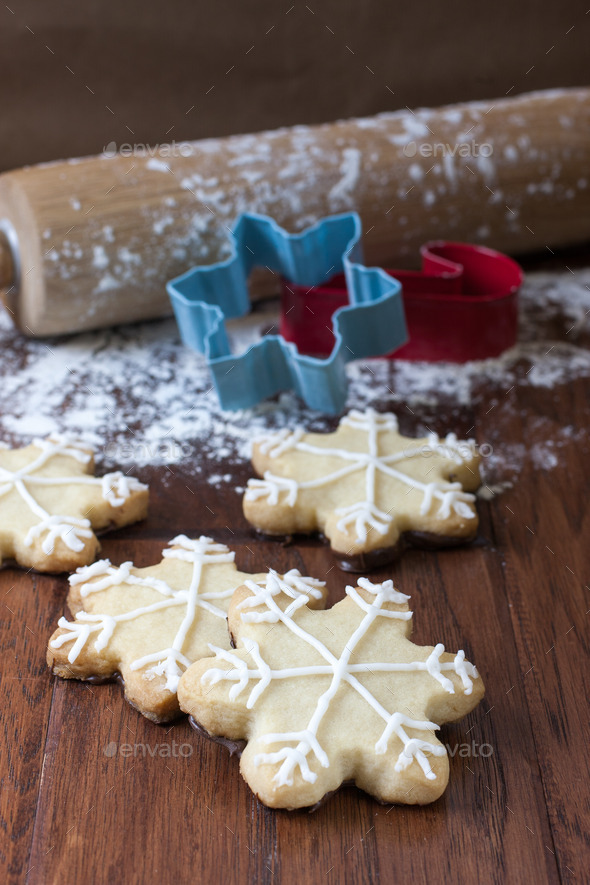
(91,242)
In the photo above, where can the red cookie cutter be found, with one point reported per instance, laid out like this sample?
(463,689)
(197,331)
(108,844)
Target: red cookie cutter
(461,306)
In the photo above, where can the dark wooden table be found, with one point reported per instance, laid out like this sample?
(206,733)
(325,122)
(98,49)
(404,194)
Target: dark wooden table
(76,808)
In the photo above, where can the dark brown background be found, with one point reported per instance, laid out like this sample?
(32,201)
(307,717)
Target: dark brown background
(64,64)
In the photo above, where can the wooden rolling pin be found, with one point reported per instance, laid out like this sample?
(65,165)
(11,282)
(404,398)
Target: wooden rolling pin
(91,242)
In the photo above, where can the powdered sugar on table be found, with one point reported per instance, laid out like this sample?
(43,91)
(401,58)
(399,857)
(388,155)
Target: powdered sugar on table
(142,398)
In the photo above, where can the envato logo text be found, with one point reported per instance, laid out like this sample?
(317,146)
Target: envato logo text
(459,149)
(162,751)
(461,449)
(156,152)
(146,453)
(470,750)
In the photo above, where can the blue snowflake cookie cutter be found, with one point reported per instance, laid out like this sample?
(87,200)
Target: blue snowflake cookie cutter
(372,324)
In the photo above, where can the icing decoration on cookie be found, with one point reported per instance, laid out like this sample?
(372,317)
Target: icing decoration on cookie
(150,624)
(359,700)
(49,504)
(368,491)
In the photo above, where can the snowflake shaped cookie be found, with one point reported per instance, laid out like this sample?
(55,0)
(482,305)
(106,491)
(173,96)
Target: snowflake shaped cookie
(368,489)
(148,625)
(323,698)
(50,504)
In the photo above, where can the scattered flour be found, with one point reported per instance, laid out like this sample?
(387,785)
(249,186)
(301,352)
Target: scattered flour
(349,169)
(142,398)
(157,165)
(218,479)
(488,492)
(544,456)
(99,257)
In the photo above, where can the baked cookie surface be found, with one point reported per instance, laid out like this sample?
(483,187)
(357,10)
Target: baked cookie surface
(323,698)
(51,504)
(367,488)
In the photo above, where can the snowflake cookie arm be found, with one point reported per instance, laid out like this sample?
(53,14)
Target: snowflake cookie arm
(204,694)
(459,459)
(67,539)
(278,502)
(413,765)
(102,598)
(273,504)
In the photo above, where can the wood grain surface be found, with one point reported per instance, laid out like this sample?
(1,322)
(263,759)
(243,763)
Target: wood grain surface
(76,808)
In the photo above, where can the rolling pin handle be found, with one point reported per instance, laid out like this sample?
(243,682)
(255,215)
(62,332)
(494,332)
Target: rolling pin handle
(6,262)
(9,268)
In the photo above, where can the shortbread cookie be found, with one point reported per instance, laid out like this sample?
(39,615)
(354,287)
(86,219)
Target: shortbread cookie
(51,505)
(324,698)
(147,625)
(368,489)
